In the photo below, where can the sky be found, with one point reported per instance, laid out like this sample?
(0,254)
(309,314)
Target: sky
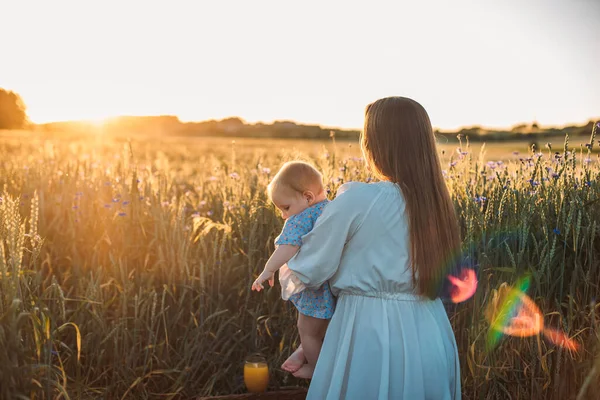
(493,63)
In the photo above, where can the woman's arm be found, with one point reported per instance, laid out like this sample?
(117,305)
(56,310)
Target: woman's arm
(280,256)
(322,248)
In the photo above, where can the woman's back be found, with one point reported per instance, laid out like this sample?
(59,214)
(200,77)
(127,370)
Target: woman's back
(376,257)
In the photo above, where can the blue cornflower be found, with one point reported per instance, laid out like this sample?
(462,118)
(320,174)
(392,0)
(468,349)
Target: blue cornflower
(122,214)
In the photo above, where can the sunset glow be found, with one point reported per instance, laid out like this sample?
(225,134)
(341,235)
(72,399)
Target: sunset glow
(312,62)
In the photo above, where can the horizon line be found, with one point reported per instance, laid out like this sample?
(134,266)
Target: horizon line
(301,123)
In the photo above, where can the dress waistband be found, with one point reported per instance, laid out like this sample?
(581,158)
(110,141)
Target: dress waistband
(399,296)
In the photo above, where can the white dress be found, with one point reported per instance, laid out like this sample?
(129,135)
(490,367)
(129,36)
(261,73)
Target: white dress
(384,341)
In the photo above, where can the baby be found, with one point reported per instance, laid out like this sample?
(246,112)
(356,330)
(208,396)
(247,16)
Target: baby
(297,191)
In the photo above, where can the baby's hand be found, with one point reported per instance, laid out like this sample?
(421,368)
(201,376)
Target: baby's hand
(265,275)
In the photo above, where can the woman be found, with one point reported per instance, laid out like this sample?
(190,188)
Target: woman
(384,249)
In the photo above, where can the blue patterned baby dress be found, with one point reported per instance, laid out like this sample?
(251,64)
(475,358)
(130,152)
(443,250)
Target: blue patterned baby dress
(316,303)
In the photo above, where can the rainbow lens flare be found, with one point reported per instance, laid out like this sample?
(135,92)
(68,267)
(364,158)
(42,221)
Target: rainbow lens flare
(511,312)
(463,286)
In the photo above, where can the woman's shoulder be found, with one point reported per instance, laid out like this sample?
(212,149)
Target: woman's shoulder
(360,194)
(355,189)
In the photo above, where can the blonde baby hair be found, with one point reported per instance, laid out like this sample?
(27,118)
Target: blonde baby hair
(296,176)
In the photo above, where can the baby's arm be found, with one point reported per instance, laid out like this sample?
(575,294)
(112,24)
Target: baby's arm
(282,254)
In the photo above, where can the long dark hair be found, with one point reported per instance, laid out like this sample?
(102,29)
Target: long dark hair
(399,146)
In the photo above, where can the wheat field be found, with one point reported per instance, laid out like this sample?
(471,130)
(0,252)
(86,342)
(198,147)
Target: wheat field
(125,266)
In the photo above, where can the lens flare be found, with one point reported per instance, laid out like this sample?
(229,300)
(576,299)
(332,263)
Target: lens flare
(463,286)
(511,312)
(501,308)
(560,339)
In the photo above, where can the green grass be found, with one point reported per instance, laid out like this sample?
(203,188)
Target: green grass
(125,268)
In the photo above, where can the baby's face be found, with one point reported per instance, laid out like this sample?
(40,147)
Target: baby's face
(290,203)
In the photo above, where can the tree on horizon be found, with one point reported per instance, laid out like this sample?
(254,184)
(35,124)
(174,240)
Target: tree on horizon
(13,113)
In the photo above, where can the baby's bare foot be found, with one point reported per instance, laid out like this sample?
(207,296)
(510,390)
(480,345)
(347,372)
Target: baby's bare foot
(295,361)
(305,372)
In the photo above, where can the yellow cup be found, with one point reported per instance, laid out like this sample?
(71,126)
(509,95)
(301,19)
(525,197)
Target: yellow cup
(256,373)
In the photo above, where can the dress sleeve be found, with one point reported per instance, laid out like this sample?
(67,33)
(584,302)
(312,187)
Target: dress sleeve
(319,256)
(292,231)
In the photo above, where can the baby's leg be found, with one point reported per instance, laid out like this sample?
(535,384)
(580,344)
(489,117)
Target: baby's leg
(312,331)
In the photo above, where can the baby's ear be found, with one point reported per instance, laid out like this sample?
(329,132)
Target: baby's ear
(309,196)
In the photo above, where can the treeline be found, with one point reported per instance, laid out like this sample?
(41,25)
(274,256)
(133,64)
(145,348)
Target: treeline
(13,115)
(172,126)
(236,127)
(526,132)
